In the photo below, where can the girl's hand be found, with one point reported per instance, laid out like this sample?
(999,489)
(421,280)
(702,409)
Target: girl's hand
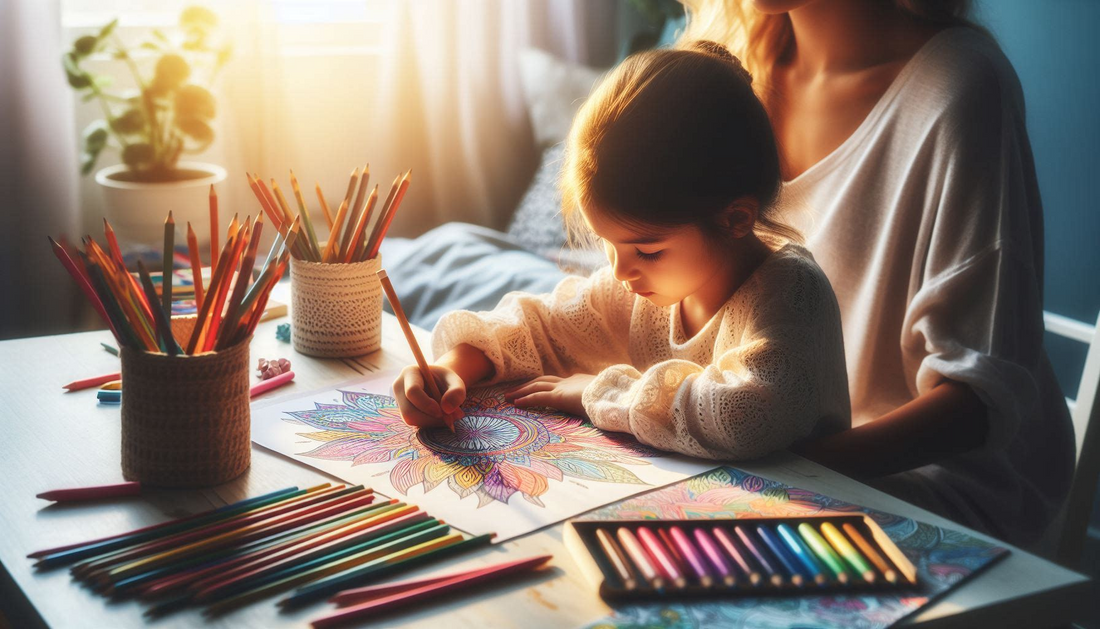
(418,408)
(563,394)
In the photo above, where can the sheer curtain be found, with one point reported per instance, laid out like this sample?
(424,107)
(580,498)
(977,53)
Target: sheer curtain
(450,105)
(38,171)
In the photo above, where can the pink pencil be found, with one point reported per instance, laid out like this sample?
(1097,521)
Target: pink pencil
(427,592)
(88,383)
(272,383)
(92,493)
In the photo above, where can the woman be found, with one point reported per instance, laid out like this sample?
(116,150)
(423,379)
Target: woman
(907,166)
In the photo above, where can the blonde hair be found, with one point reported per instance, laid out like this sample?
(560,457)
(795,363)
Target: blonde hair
(759,39)
(672,137)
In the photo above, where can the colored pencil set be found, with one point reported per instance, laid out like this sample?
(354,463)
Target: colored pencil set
(356,231)
(322,540)
(632,558)
(140,318)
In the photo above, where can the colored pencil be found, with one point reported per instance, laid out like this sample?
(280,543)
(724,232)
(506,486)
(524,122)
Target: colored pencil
(360,225)
(714,556)
(114,385)
(271,383)
(425,372)
(770,570)
(617,559)
(116,256)
(422,540)
(429,591)
(179,522)
(324,205)
(870,553)
(845,549)
(83,283)
(823,551)
(166,268)
(640,558)
(88,383)
(275,216)
(398,562)
(334,233)
(361,595)
(163,326)
(303,211)
(803,553)
(691,556)
(232,315)
(780,552)
(352,182)
(907,570)
(384,222)
(196,264)
(77,494)
(364,185)
(126,334)
(109,397)
(110,348)
(213,224)
(673,550)
(735,553)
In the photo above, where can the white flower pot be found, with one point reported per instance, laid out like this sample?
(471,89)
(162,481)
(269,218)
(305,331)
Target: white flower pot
(137,209)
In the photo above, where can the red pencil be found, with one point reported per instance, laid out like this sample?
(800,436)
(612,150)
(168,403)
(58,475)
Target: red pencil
(372,592)
(85,285)
(427,592)
(88,383)
(91,493)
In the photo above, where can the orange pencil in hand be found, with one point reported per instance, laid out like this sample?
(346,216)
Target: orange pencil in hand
(425,371)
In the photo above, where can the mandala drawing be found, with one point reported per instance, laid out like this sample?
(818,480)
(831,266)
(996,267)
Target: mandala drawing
(496,450)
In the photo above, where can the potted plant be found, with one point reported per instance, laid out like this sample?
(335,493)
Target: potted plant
(166,116)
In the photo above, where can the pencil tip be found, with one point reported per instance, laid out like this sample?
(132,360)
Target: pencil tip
(211,189)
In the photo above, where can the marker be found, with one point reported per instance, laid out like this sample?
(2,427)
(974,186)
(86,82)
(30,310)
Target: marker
(845,549)
(803,553)
(823,551)
(109,397)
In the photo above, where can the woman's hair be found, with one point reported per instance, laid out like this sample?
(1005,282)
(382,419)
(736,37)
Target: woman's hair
(672,137)
(760,39)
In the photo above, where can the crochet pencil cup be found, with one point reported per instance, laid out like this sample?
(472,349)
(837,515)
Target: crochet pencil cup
(336,309)
(185,419)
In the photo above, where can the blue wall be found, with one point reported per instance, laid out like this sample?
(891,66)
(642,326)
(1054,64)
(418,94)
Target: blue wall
(1052,45)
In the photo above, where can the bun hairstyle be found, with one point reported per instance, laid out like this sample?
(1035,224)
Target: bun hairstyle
(673,137)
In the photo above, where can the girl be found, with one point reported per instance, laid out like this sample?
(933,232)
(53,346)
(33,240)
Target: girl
(707,335)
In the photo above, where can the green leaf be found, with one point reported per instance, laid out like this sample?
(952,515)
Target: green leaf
(95,137)
(159,34)
(85,45)
(172,70)
(130,122)
(136,155)
(193,101)
(106,31)
(87,162)
(198,18)
(90,96)
(103,80)
(197,129)
(148,45)
(77,77)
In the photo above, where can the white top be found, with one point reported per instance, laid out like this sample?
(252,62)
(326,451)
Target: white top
(766,370)
(928,222)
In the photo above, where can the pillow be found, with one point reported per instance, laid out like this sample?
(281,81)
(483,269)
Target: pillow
(554,90)
(537,224)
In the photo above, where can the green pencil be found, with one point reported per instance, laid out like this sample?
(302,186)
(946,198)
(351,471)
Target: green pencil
(824,552)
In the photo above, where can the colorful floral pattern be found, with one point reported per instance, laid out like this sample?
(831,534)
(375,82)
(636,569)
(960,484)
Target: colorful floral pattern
(943,557)
(496,451)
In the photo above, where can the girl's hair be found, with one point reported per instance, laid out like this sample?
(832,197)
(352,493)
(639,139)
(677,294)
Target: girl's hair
(760,39)
(669,138)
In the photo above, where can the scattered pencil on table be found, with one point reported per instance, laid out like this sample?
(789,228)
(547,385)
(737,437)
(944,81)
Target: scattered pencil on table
(100,492)
(110,348)
(107,396)
(271,383)
(88,383)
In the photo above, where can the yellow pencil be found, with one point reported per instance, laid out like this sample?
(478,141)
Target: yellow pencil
(324,205)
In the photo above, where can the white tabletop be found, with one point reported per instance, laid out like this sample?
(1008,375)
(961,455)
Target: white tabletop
(54,439)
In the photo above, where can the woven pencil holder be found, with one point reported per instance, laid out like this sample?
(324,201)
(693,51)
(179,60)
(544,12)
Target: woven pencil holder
(336,309)
(185,419)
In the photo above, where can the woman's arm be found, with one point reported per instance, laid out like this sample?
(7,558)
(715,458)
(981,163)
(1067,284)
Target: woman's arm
(947,420)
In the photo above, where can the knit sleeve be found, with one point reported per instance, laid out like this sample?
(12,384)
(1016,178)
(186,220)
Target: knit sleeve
(767,390)
(578,328)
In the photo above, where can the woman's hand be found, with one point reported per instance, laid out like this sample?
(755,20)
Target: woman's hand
(563,394)
(418,408)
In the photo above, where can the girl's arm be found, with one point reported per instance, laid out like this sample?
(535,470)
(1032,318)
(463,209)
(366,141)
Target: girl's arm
(469,362)
(947,420)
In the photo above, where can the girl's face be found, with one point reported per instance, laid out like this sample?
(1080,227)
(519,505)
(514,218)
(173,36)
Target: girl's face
(665,269)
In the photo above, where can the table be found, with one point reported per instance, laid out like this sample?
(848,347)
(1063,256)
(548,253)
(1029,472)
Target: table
(55,439)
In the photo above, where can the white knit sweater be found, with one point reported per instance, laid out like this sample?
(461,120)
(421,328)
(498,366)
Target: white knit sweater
(765,371)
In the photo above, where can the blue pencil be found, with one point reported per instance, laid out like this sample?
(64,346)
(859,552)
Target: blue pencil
(108,396)
(779,549)
(774,577)
(803,553)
